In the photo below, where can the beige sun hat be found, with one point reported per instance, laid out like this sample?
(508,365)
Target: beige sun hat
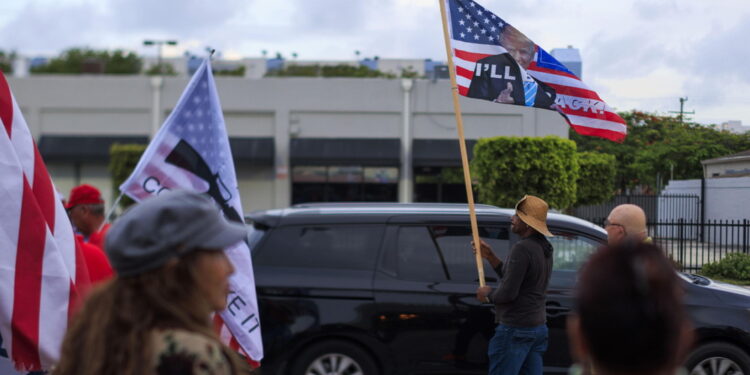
(533,211)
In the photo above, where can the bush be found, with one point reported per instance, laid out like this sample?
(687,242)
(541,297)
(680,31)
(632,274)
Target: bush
(122,160)
(596,178)
(85,60)
(329,71)
(507,168)
(735,266)
(166,69)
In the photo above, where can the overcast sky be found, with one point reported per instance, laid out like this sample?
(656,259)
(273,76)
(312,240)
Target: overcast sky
(638,54)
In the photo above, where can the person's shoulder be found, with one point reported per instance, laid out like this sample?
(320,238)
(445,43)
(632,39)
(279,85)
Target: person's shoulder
(529,243)
(185,352)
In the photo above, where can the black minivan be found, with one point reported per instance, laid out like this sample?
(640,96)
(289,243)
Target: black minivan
(386,288)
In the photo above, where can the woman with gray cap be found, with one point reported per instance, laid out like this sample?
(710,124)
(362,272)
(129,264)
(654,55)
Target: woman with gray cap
(153,318)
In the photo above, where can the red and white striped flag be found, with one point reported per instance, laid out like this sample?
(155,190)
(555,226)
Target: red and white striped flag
(496,62)
(38,256)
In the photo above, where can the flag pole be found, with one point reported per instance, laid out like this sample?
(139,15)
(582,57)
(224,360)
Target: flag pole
(112,209)
(462,144)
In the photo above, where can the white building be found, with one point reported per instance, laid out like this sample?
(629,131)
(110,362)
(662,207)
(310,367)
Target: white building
(293,139)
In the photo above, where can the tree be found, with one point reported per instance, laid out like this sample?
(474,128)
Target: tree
(6,61)
(86,60)
(236,72)
(596,178)
(164,68)
(507,168)
(122,160)
(658,145)
(340,70)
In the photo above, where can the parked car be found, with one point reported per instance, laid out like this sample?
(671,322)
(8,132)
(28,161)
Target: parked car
(379,289)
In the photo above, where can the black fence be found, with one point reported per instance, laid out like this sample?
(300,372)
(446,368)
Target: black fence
(657,207)
(691,244)
(675,224)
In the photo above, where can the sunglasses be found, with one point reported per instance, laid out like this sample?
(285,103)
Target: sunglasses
(608,223)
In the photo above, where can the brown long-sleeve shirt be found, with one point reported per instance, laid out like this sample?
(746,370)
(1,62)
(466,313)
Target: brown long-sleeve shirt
(520,296)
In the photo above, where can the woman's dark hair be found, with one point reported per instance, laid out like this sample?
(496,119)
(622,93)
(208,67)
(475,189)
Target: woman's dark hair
(629,303)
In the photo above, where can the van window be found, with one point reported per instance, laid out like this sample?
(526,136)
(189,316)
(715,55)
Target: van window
(455,244)
(322,246)
(571,250)
(438,253)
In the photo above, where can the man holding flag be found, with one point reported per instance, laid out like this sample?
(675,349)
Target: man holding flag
(490,59)
(191,152)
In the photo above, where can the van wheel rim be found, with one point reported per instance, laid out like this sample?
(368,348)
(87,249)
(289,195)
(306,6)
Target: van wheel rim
(717,366)
(334,364)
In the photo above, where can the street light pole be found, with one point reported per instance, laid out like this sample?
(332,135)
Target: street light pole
(157,83)
(159,44)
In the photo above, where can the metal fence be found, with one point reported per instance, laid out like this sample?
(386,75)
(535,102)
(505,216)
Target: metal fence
(675,224)
(691,244)
(657,207)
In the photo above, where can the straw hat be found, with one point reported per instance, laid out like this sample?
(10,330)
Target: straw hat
(533,211)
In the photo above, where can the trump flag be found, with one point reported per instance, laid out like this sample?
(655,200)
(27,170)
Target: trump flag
(41,271)
(494,61)
(191,152)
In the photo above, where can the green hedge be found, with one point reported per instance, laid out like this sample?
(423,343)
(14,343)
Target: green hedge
(596,178)
(735,266)
(507,168)
(122,160)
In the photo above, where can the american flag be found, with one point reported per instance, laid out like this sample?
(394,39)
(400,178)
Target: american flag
(191,152)
(475,34)
(41,270)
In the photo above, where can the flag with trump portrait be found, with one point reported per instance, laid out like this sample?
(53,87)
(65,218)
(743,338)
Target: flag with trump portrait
(42,271)
(191,152)
(495,61)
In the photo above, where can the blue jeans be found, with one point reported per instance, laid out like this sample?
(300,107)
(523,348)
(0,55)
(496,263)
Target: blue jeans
(517,350)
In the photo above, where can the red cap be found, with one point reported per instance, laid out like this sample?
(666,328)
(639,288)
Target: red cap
(84,194)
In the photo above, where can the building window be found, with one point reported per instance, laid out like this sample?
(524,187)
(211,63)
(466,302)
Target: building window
(440,184)
(344,184)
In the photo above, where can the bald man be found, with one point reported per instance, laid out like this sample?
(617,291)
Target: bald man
(626,221)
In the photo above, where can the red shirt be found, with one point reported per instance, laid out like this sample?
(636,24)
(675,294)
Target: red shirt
(97,238)
(96,261)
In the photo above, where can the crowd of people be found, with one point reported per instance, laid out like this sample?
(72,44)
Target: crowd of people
(164,274)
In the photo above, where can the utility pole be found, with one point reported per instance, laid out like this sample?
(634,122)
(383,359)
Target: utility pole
(681,113)
(157,83)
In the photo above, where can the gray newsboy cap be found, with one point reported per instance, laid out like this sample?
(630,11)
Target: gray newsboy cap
(170,225)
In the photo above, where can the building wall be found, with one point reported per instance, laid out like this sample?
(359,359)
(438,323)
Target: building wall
(727,168)
(280,108)
(726,198)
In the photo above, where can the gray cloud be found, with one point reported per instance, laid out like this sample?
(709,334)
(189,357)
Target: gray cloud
(333,16)
(176,17)
(49,28)
(717,64)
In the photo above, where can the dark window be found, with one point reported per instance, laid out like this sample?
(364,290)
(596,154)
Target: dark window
(571,250)
(340,247)
(455,245)
(440,253)
(344,184)
(418,258)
